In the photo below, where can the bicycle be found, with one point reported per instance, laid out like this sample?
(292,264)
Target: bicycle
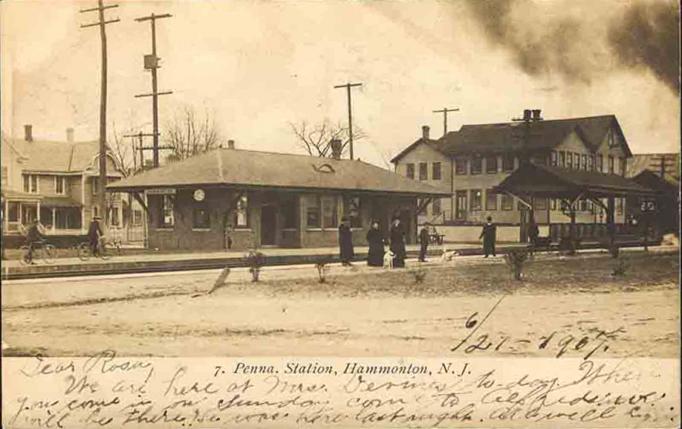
(41,250)
(85,250)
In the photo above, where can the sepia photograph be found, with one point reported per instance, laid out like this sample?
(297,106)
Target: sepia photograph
(372,199)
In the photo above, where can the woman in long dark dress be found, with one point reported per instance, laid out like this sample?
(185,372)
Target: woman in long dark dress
(375,256)
(345,243)
(398,244)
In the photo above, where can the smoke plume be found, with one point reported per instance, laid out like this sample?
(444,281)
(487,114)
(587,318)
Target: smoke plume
(644,36)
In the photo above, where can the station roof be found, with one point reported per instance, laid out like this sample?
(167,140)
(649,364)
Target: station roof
(555,182)
(255,169)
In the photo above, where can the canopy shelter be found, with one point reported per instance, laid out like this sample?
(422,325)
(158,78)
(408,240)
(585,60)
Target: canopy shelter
(570,186)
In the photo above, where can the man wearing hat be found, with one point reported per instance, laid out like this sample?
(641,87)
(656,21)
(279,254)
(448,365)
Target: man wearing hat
(346,242)
(94,234)
(34,238)
(488,236)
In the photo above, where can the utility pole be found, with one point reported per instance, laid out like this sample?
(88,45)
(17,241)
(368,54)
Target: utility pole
(151,62)
(445,112)
(348,86)
(102,22)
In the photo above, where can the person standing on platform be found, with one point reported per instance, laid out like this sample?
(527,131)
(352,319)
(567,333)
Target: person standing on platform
(488,236)
(375,240)
(94,235)
(533,234)
(346,243)
(398,243)
(423,242)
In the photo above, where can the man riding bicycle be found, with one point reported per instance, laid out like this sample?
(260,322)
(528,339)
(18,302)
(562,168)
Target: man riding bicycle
(34,238)
(94,235)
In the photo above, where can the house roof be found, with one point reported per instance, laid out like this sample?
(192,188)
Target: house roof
(556,182)
(508,136)
(652,161)
(421,140)
(245,168)
(57,157)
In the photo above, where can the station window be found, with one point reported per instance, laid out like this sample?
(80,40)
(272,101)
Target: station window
(410,171)
(436,173)
(166,218)
(241,212)
(423,171)
(351,206)
(200,216)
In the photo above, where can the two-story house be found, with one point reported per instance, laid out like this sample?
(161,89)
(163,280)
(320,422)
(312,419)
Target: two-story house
(57,182)
(474,159)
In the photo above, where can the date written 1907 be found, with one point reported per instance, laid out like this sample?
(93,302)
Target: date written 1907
(585,344)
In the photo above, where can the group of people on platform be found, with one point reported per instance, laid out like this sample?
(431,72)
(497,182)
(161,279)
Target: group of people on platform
(376,242)
(396,242)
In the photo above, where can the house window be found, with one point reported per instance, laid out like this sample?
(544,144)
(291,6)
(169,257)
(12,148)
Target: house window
(476,165)
(288,210)
(583,162)
(569,160)
(490,200)
(553,159)
(461,204)
(435,207)
(410,171)
(435,171)
(600,163)
(460,166)
(576,161)
(241,213)
(113,216)
(95,185)
(623,166)
(329,212)
(351,207)
(612,139)
(12,212)
(31,183)
(475,200)
(423,171)
(313,218)
(137,217)
(59,185)
(562,159)
(611,164)
(491,164)
(507,202)
(166,218)
(590,163)
(200,216)
(508,162)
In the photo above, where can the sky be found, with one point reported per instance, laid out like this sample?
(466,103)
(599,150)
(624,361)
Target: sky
(258,66)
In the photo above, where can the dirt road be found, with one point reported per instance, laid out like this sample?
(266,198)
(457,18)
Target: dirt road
(570,306)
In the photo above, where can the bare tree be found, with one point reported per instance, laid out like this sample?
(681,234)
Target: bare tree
(190,133)
(123,153)
(316,139)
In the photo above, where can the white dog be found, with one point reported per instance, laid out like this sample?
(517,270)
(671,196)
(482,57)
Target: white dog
(448,255)
(388,259)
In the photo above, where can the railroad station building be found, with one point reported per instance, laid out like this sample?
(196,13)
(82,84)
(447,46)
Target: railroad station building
(237,199)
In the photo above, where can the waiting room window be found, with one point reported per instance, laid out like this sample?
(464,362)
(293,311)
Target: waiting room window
(31,183)
(351,206)
(410,171)
(166,216)
(435,173)
(435,207)
(313,217)
(460,166)
(476,165)
(329,212)
(507,202)
(508,162)
(491,164)
(59,185)
(423,171)
(241,213)
(289,209)
(490,200)
(611,164)
(200,216)
(476,196)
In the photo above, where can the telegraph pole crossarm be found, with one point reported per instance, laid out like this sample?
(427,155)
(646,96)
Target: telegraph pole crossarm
(102,23)
(445,112)
(348,86)
(152,63)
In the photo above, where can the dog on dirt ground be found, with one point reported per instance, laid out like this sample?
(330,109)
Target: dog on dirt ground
(388,259)
(448,255)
